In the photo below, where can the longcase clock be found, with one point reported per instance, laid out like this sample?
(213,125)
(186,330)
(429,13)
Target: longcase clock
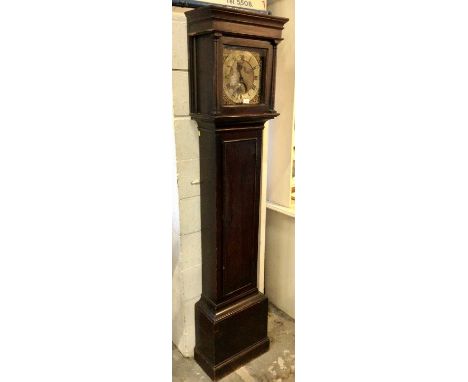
(232,65)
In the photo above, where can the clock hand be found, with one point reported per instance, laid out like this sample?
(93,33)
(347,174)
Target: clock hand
(241,80)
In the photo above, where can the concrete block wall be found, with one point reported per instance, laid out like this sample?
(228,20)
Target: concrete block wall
(186,282)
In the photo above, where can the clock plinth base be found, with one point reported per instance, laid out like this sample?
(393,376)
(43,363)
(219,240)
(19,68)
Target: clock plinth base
(228,338)
(216,372)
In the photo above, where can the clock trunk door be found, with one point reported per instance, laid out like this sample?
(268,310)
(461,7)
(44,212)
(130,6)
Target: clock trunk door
(241,159)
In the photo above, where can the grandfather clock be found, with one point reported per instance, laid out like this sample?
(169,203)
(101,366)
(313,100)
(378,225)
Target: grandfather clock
(232,63)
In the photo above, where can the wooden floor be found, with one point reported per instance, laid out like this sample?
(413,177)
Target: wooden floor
(277,365)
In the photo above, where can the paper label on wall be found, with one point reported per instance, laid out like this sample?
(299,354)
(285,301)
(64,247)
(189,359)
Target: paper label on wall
(259,5)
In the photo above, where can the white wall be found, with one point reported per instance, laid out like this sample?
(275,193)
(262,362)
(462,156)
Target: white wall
(280,261)
(280,218)
(186,269)
(281,128)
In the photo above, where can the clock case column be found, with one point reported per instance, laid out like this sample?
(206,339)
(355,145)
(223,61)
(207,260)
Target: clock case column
(231,315)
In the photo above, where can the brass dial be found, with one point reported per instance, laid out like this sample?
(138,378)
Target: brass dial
(241,77)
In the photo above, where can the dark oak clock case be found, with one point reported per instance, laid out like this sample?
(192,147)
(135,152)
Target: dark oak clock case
(231,316)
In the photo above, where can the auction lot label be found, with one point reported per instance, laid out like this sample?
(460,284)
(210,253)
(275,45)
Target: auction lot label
(259,5)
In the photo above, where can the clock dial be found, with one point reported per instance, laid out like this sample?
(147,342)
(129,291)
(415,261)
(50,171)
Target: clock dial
(241,76)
